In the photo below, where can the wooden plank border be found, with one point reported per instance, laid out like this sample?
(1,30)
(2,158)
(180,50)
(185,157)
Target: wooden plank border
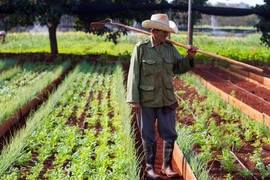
(182,164)
(251,112)
(243,77)
(32,104)
(260,79)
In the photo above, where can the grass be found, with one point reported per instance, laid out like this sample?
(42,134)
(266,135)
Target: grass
(31,138)
(12,151)
(247,48)
(227,27)
(212,137)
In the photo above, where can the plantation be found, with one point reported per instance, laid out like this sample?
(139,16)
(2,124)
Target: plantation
(93,144)
(84,128)
(21,83)
(220,134)
(238,48)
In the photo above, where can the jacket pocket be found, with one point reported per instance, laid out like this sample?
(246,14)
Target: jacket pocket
(168,60)
(169,65)
(169,92)
(149,67)
(147,93)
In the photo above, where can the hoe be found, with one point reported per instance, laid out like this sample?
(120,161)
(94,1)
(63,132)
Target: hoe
(95,26)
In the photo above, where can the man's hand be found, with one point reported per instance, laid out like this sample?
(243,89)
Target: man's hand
(191,51)
(136,107)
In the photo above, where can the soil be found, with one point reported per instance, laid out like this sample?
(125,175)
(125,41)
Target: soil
(5,138)
(159,155)
(251,94)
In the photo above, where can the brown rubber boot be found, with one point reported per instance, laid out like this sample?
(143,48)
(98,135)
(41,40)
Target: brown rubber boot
(167,160)
(150,156)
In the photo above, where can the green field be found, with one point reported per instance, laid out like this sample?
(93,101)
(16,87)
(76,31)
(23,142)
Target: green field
(84,129)
(238,48)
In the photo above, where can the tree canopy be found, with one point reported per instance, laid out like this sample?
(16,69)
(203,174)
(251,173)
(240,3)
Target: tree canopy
(46,12)
(264,24)
(49,13)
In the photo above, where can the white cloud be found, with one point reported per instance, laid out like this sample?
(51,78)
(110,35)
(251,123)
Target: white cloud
(249,2)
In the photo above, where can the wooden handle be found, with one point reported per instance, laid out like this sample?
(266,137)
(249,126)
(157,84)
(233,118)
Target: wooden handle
(219,57)
(231,61)
(200,51)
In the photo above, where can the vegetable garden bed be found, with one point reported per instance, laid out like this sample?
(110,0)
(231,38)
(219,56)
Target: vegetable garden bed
(228,143)
(198,119)
(20,84)
(255,96)
(217,136)
(28,95)
(82,131)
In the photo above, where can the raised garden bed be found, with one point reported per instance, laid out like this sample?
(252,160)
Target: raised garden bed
(97,135)
(78,118)
(193,110)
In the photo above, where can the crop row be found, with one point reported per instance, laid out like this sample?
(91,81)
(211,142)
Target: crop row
(21,83)
(84,131)
(220,136)
(6,63)
(242,49)
(79,133)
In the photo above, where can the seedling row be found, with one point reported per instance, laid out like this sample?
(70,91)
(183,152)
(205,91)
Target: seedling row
(79,133)
(84,130)
(224,142)
(21,83)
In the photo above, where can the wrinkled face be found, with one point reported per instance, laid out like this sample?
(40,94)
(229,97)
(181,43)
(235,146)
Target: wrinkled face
(159,36)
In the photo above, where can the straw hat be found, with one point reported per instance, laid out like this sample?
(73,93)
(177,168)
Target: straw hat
(161,22)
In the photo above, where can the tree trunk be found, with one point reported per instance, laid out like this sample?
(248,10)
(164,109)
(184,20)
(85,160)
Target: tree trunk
(53,39)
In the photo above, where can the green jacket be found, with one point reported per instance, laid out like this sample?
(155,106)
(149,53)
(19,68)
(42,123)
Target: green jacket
(150,72)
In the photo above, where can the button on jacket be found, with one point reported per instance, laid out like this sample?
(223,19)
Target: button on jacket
(149,79)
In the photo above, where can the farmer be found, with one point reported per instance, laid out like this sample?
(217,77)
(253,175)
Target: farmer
(150,90)
(3,35)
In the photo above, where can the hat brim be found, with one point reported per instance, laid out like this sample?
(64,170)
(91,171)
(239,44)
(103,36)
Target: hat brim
(157,25)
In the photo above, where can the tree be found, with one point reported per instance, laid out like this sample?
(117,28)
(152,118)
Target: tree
(49,13)
(16,13)
(127,17)
(46,12)
(264,24)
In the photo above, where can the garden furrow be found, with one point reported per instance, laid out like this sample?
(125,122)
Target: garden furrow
(216,133)
(20,89)
(17,120)
(249,93)
(63,148)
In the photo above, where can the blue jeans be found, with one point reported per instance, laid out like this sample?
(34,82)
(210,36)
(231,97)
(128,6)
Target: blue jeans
(166,124)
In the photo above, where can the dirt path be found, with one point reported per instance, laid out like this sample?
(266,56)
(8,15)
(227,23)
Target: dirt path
(159,154)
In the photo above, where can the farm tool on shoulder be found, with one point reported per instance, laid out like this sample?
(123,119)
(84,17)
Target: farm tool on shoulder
(95,26)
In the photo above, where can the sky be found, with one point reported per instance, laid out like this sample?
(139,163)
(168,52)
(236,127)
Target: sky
(250,2)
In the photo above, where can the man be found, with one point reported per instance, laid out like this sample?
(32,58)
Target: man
(3,35)
(150,90)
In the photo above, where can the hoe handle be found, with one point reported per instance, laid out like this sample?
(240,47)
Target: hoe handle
(219,57)
(186,47)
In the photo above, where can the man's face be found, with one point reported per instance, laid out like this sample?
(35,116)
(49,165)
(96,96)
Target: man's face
(159,35)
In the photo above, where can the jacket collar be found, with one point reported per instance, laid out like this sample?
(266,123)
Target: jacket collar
(152,44)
